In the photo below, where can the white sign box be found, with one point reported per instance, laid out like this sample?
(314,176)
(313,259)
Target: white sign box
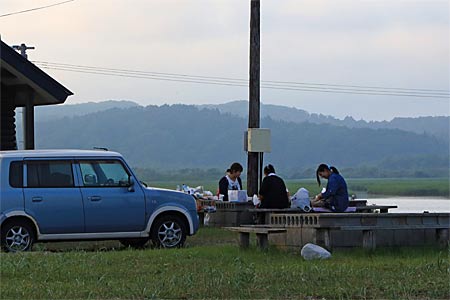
(258,140)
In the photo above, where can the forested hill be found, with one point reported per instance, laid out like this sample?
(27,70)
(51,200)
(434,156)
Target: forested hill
(181,136)
(437,126)
(44,113)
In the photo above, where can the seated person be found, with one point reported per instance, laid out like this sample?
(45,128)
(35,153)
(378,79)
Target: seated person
(273,192)
(335,196)
(231,181)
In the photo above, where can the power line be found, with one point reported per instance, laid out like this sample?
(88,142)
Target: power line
(124,71)
(364,87)
(399,90)
(37,8)
(226,81)
(142,76)
(266,86)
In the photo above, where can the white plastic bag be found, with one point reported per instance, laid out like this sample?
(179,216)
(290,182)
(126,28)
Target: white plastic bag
(256,200)
(233,195)
(301,200)
(311,251)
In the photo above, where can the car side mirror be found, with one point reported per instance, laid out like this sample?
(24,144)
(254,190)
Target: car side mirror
(130,184)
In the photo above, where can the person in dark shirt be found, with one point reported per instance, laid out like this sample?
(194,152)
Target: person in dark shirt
(335,196)
(231,181)
(273,192)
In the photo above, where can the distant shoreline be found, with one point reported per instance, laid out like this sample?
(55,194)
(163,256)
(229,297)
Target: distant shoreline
(376,187)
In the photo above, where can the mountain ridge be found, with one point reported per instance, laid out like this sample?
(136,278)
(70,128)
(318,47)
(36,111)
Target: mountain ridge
(433,125)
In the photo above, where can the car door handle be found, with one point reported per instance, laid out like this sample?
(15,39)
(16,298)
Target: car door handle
(36,199)
(95,198)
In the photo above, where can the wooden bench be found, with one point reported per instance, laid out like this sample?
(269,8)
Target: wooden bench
(262,234)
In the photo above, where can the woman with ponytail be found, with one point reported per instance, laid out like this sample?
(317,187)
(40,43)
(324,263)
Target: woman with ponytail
(335,196)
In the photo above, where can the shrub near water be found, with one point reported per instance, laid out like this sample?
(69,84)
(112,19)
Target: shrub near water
(223,271)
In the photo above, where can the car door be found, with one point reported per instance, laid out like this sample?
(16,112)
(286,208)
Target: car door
(52,198)
(110,204)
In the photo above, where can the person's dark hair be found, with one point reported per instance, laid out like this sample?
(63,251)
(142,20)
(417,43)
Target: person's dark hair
(323,167)
(236,167)
(269,169)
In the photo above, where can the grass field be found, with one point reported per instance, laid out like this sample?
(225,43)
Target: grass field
(402,187)
(438,187)
(212,266)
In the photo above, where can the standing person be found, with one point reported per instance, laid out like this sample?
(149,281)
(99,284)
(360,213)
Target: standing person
(231,181)
(335,196)
(273,192)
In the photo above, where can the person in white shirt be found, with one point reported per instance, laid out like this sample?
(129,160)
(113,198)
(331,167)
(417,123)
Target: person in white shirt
(231,181)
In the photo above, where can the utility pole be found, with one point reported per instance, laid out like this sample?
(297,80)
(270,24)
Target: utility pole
(23,49)
(254,102)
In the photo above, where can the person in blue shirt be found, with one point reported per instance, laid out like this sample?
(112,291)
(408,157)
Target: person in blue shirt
(335,196)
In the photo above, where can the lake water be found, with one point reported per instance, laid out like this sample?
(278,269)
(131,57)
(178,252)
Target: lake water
(412,204)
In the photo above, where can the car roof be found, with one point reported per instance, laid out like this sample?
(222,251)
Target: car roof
(57,153)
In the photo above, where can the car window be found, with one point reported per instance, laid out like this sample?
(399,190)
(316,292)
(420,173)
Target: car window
(16,174)
(49,174)
(105,173)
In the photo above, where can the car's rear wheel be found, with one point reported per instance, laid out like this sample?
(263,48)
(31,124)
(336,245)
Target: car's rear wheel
(169,231)
(137,243)
(17,236)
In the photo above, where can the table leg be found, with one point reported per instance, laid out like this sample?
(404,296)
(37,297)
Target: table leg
(323,238)
(244,239)
(263,241)
(369,240)
(201,218)
(442,235)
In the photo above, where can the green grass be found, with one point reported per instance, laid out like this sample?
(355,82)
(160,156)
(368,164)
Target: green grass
(212,266)
(385,186)
(402,187)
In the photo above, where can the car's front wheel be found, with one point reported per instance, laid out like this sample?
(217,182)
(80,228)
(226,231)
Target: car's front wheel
(169,231)
(17,236)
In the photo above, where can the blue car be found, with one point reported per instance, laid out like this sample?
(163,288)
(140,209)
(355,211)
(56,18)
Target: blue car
(61,195)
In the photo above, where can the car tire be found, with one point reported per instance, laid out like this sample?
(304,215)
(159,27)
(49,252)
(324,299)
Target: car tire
(17,236)
(134,243)
(169,231)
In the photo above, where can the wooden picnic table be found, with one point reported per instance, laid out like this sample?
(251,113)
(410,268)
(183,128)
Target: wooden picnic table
(243,210)
(357,202)
(372,208)
(365,208)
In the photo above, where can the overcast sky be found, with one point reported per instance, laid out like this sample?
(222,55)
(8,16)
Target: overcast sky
(383,43)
